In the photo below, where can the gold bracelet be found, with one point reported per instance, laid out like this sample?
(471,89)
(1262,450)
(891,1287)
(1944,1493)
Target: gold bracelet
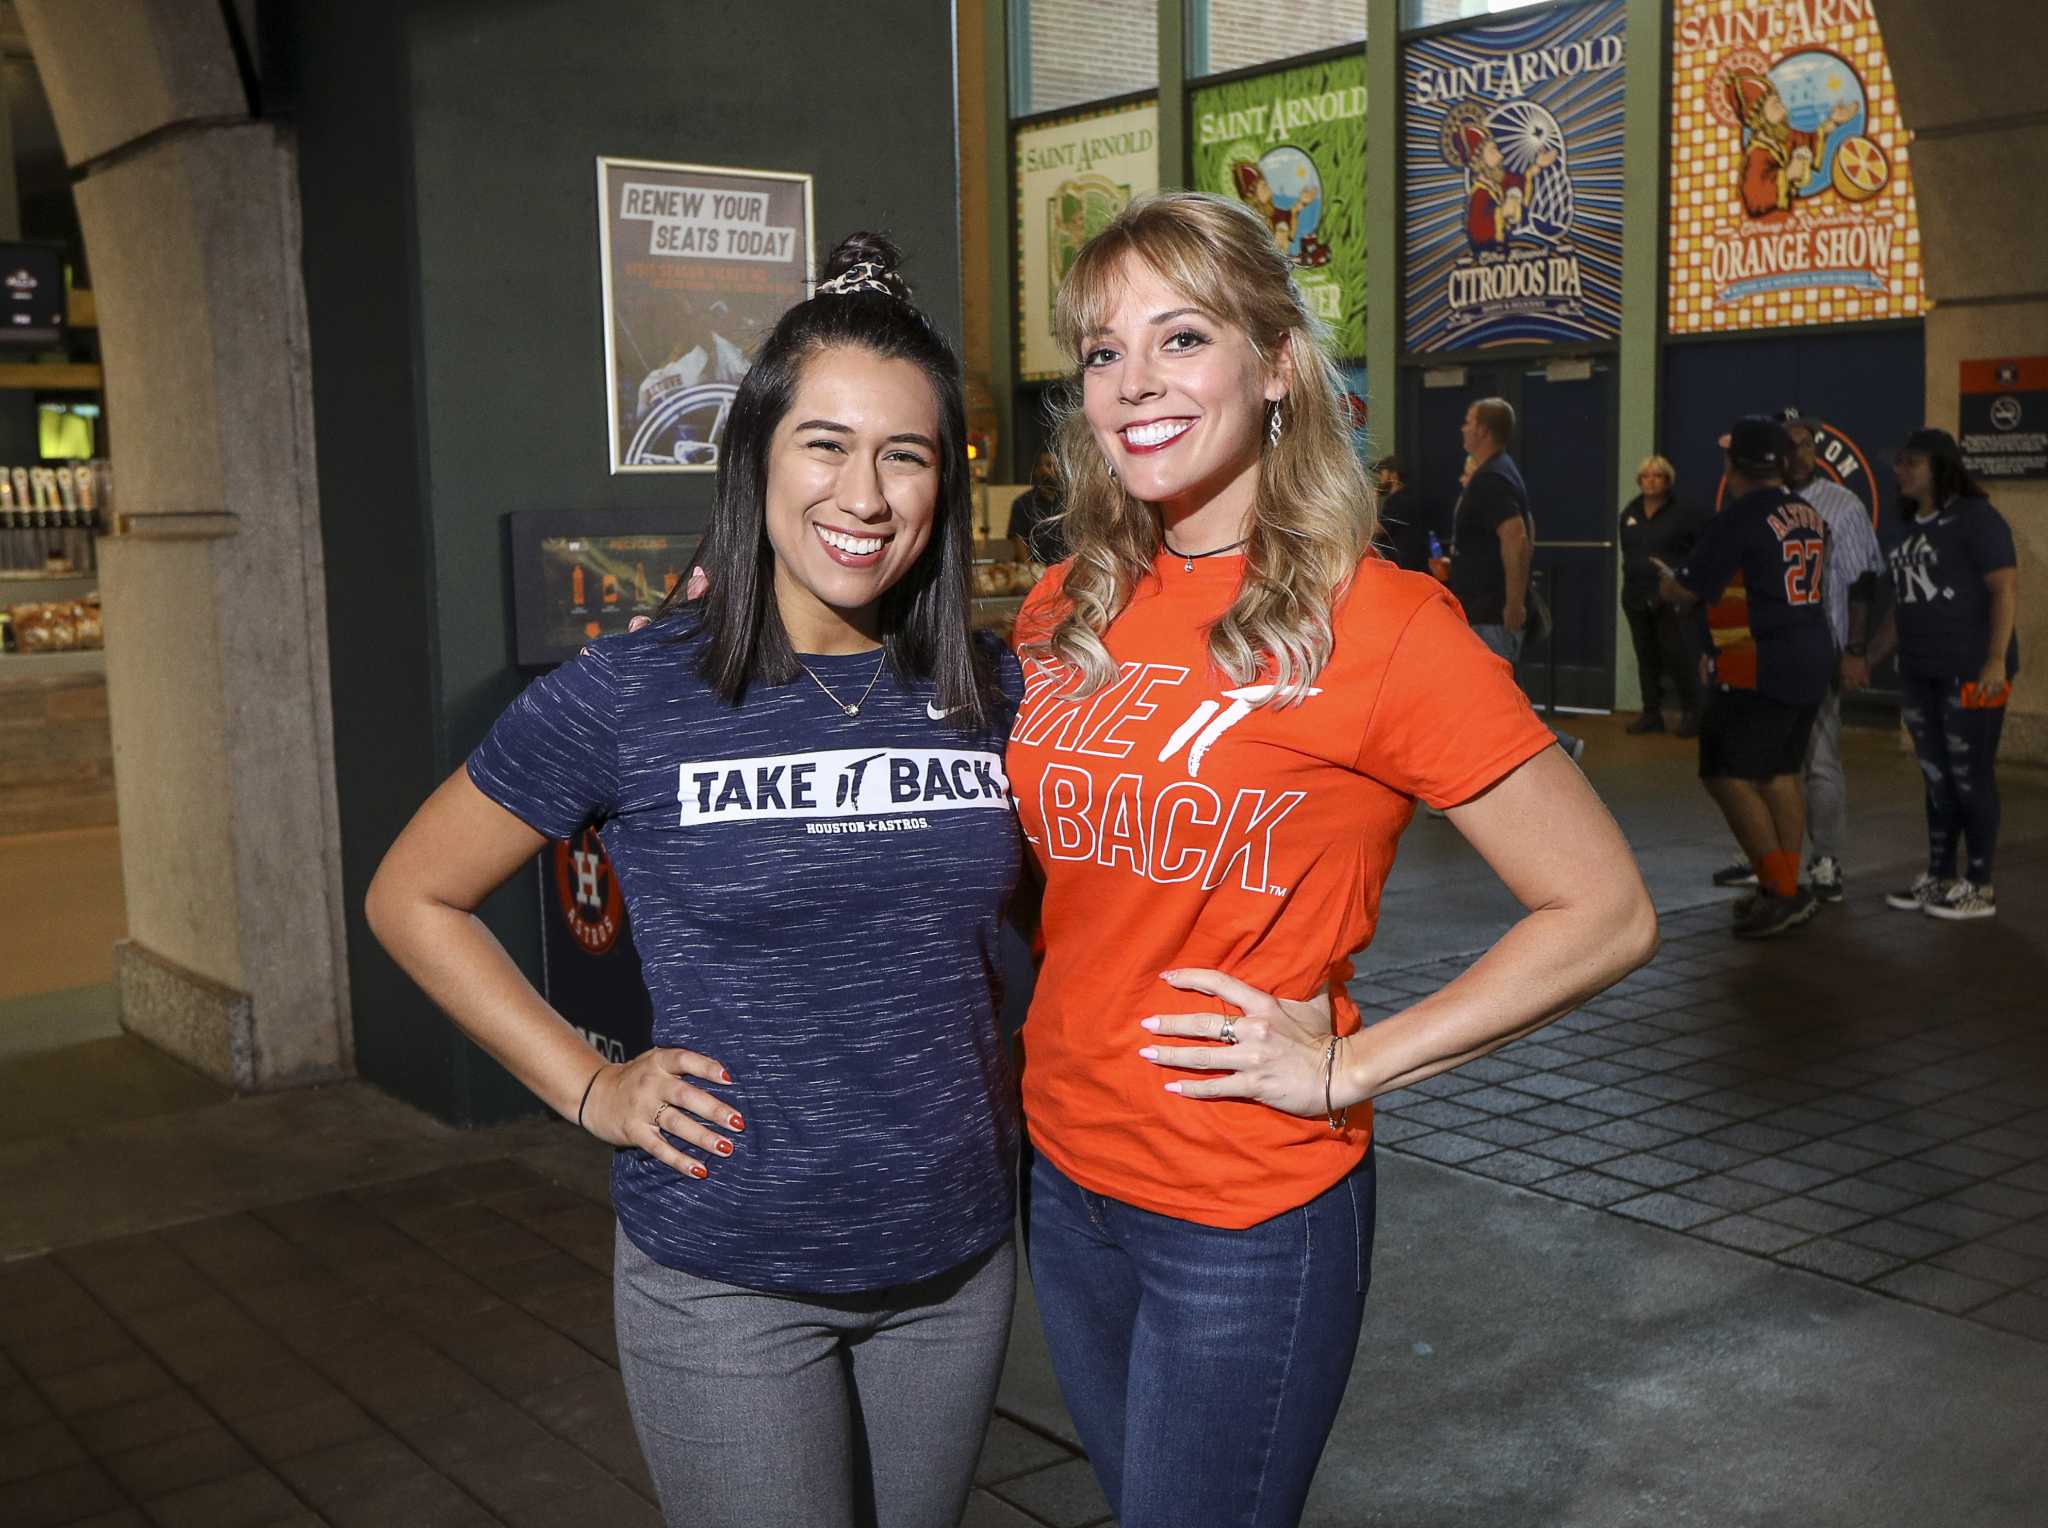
(1339,1118)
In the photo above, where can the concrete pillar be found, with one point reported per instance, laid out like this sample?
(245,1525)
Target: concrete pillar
(1646,110)
(1973,87)
(1173,95)
(1383,223)
(217,667)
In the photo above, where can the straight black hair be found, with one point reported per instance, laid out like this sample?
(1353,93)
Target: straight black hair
(924,617)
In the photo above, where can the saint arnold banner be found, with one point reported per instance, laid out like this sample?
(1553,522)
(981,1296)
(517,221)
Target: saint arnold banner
(1791,191)
(1291,146)
(1073,174)
(1511,180)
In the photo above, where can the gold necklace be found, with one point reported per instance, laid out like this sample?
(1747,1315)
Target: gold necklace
(853,708)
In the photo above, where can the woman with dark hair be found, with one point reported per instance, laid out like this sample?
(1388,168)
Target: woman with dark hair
(799,776)
(1955,626)
(1232,706)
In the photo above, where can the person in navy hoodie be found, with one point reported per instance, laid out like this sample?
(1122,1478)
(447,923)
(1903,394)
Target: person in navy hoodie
(1956,581)
(798,773)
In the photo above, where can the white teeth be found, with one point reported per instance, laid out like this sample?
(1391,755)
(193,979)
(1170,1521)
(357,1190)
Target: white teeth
(855,546)
(1157,433)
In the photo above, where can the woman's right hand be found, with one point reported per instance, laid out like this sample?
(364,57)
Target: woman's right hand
(645,1101)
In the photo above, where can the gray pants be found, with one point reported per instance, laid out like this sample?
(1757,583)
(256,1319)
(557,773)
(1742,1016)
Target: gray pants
(759,1410)
(1827,783)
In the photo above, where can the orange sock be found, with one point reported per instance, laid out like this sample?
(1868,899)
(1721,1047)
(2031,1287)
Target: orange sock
(1779,873)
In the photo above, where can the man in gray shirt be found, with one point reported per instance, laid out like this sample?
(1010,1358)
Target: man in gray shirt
(1854,565)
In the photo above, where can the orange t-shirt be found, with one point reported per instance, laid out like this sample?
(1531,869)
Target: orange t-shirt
(1178,824)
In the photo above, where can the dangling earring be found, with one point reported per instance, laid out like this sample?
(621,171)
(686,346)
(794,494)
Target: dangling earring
(1274,426)
(1110,467)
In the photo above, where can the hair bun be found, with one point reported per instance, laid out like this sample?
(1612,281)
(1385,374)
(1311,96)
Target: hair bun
(876,251)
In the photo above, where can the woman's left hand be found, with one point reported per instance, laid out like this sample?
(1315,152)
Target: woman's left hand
(1991,682)
(1277,1057)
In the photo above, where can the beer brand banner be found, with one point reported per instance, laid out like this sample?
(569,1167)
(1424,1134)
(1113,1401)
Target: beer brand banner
(1291,146)
(1791,194)
(698,262)
(1073,174)
(1511,157)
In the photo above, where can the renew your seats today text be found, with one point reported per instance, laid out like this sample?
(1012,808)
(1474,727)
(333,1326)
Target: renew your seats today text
(691,222)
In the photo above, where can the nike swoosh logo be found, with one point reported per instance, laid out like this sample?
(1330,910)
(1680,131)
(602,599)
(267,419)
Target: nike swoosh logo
(937,715)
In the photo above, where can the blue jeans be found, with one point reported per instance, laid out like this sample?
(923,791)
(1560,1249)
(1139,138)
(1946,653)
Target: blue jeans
(1508,644)
(1202,1367)
(1958,750)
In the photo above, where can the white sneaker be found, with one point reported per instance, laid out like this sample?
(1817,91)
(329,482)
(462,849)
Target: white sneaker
(1962,902)
(1824,878)
(1928,888)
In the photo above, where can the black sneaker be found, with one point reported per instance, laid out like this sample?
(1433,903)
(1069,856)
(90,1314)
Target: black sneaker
(1777,915)
(1739,873)
(1649,721)
(1688,725)
(1824,879)
(1915,898)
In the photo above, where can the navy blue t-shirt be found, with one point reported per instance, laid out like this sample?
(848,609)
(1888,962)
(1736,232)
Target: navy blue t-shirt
(815,898)
(1938,565)
(1778,543)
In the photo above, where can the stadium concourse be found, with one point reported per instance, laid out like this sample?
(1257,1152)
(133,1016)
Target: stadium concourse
(1761,1236)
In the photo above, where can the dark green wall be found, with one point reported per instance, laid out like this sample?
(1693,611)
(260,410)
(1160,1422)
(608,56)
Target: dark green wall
(448,174)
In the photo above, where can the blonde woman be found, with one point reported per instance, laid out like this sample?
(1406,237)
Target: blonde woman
(1657,526)
(1231,710)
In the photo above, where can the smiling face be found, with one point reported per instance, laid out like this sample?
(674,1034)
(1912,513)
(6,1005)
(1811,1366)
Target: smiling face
(1177,400)
(852,491)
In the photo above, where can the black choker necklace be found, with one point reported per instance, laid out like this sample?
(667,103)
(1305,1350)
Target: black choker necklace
(1189,559)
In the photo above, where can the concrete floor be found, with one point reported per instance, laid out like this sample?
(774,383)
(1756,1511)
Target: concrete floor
(323,1307)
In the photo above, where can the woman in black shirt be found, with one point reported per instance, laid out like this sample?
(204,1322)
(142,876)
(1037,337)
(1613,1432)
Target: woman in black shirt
(1655,527)
(1956,577)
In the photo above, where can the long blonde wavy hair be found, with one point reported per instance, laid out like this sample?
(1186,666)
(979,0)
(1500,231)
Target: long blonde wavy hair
(1313,509)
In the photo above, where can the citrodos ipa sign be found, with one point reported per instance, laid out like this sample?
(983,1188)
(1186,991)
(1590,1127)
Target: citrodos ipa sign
(697,262)
(1073,174)
(1291,146)
(1512,171)
(1791,192)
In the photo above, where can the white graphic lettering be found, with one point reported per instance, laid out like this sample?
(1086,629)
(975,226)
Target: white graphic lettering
(841,782)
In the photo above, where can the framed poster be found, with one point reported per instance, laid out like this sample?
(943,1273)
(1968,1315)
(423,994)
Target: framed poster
(698,264)
(1511,165)
(1291,146)
(1791,191)
(1073,174)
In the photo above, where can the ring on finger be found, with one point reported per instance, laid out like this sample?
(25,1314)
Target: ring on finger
(1228,1033)
(660,1109)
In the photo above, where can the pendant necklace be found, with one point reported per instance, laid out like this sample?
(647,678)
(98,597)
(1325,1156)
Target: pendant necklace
(1189,559)
(851,708)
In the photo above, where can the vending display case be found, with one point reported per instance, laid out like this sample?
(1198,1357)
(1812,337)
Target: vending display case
(582,574)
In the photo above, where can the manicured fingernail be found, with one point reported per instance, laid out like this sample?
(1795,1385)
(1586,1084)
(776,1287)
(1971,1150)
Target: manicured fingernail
(724,1076)
(698,1172)
(1149,1052)
(1173,1087)
(1151,1024)
(725,1148)
(736,1123)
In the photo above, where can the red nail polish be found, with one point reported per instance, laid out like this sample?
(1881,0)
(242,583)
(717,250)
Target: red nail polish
(737,1123)
(725,1148)
(725,1076)
(698,1172)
